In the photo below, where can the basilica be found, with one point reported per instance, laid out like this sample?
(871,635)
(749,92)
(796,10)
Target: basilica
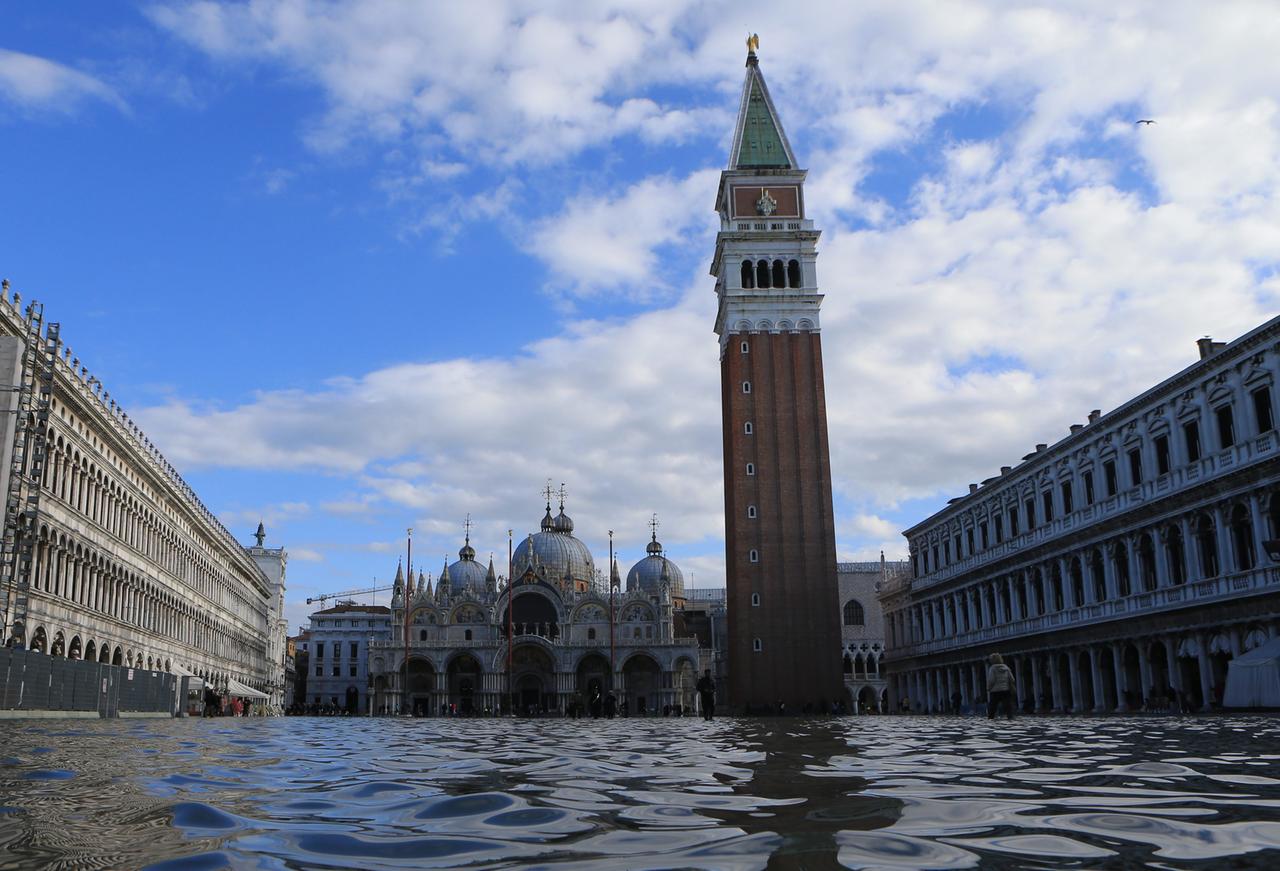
(549,635)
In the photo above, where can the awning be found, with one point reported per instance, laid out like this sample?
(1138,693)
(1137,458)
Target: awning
(195,683)
(235,688)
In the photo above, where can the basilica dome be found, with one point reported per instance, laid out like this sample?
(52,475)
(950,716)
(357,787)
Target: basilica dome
(647,575)
(556,549)
(466,573)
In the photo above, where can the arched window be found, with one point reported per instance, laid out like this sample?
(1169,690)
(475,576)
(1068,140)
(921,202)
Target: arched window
(762,274)
(422,636)
(779,274)
(751,468)
(746,348)
(757,645)
(466,636)
(755,600)
(1207,544)
(1242,538)
(748,275)
(754,555)
(793,273)
(853,613)
(751,512)
(747,428)
(746,386)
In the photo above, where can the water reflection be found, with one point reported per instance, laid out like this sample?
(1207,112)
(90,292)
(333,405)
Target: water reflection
(636,794)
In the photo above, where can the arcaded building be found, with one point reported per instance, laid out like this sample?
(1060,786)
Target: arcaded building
(862,633)
(109,554)
(1125,565)
(548,641)
(780,551)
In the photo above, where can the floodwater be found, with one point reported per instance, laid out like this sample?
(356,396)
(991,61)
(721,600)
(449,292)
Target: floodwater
(870,792)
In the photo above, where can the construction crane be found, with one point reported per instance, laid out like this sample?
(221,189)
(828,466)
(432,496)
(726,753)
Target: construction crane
(346,594)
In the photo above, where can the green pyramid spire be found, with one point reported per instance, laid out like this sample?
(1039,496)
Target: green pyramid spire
(761,140)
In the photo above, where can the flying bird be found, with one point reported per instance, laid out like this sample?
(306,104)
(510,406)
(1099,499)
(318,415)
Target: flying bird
(1144,121)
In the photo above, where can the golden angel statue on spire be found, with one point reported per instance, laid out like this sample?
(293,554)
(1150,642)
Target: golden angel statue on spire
(753,43)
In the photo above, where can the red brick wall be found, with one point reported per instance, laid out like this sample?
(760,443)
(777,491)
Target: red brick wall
(798,617)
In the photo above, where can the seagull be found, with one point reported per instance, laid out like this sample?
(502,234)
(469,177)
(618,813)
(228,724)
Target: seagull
(1144,121)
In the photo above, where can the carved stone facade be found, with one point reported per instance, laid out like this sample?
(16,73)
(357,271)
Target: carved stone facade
(1124,566)
(129,566)
(570,635)
(862,633)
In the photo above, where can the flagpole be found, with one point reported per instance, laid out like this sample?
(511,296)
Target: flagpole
(511,605)
(611,588)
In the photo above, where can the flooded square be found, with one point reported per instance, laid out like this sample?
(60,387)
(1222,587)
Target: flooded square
(870,792)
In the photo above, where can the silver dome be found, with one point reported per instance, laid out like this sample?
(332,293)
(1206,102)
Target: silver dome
(559,552)
(646,575)
(467,574)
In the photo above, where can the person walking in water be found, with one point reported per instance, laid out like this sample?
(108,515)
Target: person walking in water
(707,695)
(999,687)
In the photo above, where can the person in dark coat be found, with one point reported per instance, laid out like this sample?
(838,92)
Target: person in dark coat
(707,695)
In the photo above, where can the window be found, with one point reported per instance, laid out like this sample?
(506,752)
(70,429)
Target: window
(746,386)
(1226,426)
(1262,409)
(755,600)
(982,535)
(1109,473)
(1047,498)
(754,556)
(999,528)
(747,428)
(751,468)
(320,650)
(355,649)
(1013,521)
(466,635)
(853,613)
(1135,467)
(353,671)
(319,671)
(968,539)
(746,348)
(757,645)
(751,511)
(1162,454)
(1191,435)
(946,552)
(337,671)
(1067,505)
(591,635)
(422,635)
(793,273)
(1031,514)
(1088,488)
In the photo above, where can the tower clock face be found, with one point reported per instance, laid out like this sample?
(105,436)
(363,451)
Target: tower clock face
(766,205)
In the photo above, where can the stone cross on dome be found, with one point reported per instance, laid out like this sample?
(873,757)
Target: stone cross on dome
(466,528)
(562,495)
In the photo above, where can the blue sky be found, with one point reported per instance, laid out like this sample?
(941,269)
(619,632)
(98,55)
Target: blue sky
(361,267)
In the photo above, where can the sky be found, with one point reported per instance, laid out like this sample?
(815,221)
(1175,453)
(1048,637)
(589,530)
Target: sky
(363,267)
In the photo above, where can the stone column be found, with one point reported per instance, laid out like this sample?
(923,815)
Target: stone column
(1095,672)
(1020,678)
(1055,683)
(1190,550)
(1117,662)
(1144,670)
(1135,571)
(1078,704)
(1090,582)
(1259,530)
(1109,571)
(1037,680)
(1225,558)
(1206,672)
(1164,576)
(983,607)
(1068,587)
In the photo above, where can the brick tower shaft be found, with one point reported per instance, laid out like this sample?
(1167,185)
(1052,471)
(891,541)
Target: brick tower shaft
(784,632)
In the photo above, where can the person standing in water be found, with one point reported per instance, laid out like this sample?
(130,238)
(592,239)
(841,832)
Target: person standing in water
(999,687)
(707,695)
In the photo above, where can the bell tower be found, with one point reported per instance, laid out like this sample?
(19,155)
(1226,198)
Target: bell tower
(783,602)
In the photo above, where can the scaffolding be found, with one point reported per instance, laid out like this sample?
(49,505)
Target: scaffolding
(29,453)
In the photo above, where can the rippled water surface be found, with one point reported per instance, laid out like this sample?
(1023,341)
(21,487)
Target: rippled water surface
(891,792)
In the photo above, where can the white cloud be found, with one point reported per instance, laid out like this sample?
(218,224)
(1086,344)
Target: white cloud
(1055,258)
(36,83)
(305,554)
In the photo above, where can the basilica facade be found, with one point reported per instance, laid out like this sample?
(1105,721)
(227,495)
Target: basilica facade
(1125,566)
(547,636)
